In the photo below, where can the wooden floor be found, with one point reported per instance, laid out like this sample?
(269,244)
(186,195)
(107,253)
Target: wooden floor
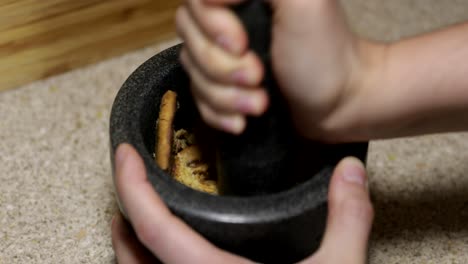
(42,38)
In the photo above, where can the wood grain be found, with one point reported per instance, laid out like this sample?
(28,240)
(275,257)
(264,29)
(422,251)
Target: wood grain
(42,38)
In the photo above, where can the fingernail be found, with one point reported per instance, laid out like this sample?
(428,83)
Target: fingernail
(354,172)
(240,77)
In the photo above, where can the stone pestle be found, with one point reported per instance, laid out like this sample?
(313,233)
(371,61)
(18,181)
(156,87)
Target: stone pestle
(259,161)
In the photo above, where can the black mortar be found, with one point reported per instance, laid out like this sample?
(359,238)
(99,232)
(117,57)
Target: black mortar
(283,227)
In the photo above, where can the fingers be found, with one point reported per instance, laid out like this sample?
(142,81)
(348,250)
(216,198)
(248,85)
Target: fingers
(225,77)
(126,246)
(225,98)
(234,124)
(349,218)
(219,24)
(223,106)
(165,235)
(216,63)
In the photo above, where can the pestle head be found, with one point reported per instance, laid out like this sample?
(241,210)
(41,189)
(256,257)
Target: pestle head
(260,160)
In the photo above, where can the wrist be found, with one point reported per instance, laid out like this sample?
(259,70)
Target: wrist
(348,120)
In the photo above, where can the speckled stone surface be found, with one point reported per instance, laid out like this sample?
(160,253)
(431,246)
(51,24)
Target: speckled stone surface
(56,193)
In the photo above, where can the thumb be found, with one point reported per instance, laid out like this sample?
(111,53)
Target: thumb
(350,216)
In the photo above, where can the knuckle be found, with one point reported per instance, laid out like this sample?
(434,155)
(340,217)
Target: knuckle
(183,58)
(209,53)
(179,20)
(185,61)
(359,208)
(222,98)
(195,86)
(146,233)
(180,13)
(205,113)
(254,65)
(210,119)
(217,64)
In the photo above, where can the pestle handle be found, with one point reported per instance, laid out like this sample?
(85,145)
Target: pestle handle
(256,17)
(258,161)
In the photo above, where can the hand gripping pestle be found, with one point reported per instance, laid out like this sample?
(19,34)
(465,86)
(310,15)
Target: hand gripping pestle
(259,161)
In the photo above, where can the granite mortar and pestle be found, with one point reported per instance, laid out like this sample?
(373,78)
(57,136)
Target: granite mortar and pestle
(273,183)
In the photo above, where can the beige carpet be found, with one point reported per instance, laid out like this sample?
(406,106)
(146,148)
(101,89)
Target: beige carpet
(56,193)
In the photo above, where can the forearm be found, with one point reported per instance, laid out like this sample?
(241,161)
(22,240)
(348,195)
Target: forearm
(415,86)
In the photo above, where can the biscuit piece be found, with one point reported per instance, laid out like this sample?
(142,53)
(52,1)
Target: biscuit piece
(164,130)
(182,140)
(190,170)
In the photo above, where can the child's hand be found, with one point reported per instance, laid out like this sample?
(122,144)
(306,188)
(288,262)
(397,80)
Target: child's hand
(158,233)
(313,53)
